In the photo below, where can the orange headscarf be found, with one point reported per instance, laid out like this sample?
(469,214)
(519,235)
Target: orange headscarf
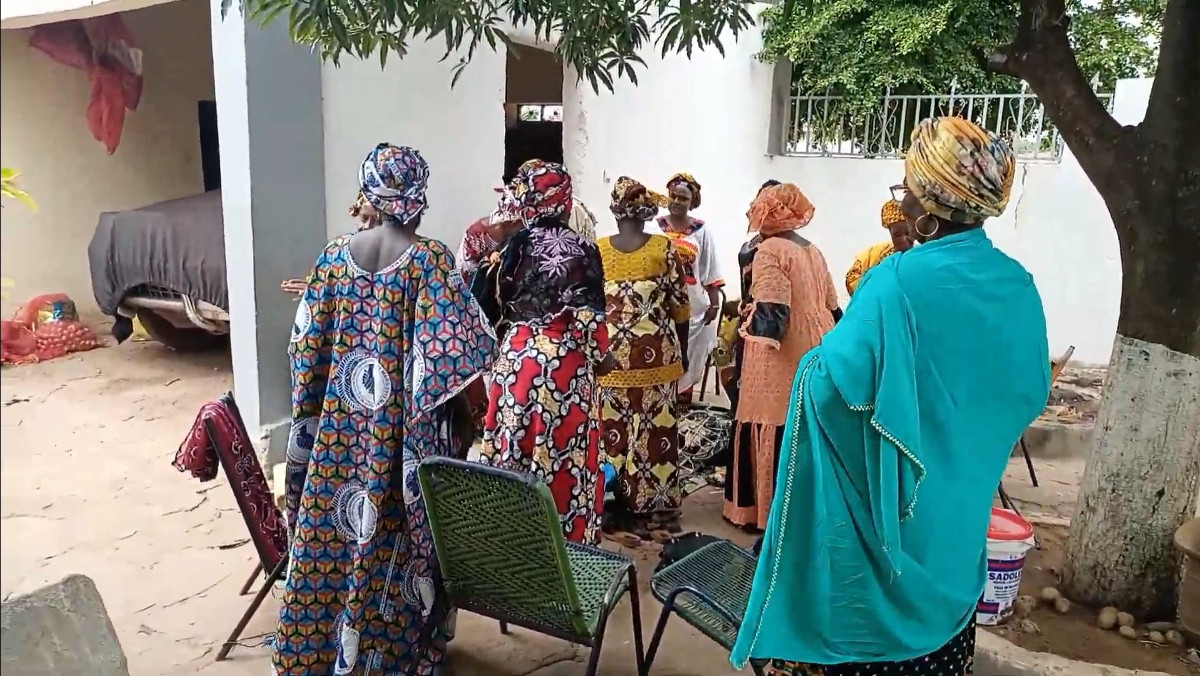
(779,208)
(890,214)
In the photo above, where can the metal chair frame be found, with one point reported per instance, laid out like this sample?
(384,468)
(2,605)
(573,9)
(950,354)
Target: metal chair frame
(277,570)
(625,581)
(669,599)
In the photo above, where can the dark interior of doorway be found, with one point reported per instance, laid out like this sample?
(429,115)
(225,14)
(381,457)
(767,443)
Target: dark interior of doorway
(210,148)
(533,76)
(531,140)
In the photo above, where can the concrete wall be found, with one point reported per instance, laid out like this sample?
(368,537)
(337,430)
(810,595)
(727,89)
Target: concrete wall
(60,629)
(26,13)
(43,134)
(460,131)
(711,116)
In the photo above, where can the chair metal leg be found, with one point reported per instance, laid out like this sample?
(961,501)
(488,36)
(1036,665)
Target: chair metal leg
(258,569)
(258,599)
(704,378)
(504,628)
(602,625)
(635,606)
(1006,501)
(1028,462)
(598,643)
(660,628)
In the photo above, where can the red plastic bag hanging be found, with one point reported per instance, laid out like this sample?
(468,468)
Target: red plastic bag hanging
(105,48)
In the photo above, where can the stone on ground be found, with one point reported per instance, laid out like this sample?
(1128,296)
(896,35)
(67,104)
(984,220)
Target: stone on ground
(61,629)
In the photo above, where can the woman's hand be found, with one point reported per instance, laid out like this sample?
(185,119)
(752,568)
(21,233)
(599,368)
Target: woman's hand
(463,424)
(711,314)
(607,365)
(294,286)
(500,232)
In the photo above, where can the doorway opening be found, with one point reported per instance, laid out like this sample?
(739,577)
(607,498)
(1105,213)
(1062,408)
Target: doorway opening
(533,110)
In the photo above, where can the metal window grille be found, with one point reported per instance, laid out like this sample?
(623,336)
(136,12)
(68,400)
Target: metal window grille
(818,126)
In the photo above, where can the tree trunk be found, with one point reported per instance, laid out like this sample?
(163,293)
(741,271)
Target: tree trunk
(1140,484)
(1143,477)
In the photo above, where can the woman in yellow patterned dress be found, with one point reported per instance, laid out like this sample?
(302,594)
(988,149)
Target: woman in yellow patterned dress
(901,241)
(648,311)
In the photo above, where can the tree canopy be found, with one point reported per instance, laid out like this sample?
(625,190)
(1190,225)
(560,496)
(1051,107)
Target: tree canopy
(599,39)
(862,48)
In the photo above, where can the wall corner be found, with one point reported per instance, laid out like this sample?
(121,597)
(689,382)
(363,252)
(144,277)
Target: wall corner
(781,97)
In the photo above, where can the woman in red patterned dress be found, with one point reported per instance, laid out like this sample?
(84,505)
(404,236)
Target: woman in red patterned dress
(547,292)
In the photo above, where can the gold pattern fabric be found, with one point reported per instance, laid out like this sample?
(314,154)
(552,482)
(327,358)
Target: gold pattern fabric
(646,298)
(890,214)
(865,260)
(640,428)
(958,170)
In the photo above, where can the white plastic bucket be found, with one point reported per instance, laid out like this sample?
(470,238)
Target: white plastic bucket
(1009,539)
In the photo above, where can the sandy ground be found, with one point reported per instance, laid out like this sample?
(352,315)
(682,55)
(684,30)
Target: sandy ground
(89,488)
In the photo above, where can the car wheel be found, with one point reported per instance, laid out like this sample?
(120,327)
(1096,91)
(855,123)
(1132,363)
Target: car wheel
(180,339)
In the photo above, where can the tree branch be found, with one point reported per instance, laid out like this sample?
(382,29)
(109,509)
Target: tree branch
(1175,95)
(1041,55)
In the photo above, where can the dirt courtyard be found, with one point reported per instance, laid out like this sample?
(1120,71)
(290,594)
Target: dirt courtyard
(89,488)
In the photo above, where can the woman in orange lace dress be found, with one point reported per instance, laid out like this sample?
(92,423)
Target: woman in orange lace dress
(791,304)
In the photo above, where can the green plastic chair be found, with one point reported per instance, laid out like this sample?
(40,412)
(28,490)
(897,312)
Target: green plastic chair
(502,554)
(709,589)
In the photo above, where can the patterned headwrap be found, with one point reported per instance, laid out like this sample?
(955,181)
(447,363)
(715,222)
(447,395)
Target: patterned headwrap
(357,206)
(506,210)
(582,221)
(890,214)
(356,209)
(539,190)
(779,208)
(692,184)
(631,199)
(959,171)
(393,179)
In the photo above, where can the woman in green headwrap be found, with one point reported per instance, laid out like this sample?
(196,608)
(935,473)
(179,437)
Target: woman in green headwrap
(900,425)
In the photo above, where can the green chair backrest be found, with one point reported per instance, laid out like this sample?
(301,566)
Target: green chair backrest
(500,544)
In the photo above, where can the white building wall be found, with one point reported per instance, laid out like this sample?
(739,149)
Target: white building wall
(44,134)
(459,131)
(710,117)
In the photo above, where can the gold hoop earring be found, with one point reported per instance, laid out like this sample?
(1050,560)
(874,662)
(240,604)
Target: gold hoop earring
(936,224)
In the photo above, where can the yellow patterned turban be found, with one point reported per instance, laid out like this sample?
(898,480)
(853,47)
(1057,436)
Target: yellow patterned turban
(891,214)
(959,171)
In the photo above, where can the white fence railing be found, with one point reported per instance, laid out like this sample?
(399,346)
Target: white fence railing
(820,126)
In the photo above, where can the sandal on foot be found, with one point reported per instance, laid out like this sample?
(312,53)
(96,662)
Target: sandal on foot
(625,539)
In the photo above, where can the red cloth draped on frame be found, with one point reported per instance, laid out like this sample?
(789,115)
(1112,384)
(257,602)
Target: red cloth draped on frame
(104,47)
(218,438)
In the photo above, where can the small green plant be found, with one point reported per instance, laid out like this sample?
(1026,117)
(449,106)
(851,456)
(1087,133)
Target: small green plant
(12,191)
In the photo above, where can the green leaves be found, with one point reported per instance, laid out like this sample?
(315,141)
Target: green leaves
(861,48)
(599,39)
(9,188)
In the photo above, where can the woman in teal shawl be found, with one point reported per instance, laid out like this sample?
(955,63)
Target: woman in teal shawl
(900,426)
